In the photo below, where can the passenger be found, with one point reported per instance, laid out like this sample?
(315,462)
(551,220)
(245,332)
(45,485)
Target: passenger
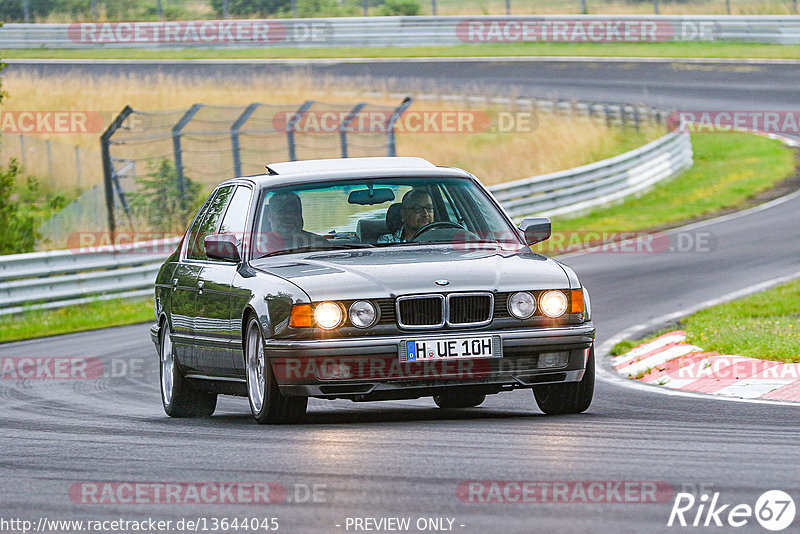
(416,212)
(285,215)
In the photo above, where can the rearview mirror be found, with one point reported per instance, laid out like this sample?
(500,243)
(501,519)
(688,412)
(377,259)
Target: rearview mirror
(222,247)
(536,229)
(368,197)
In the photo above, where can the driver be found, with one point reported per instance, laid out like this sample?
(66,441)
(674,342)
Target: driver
(416,211)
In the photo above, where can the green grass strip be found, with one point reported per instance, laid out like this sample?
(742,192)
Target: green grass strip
(729,169)
(101,314)
(764,326)
(677,50)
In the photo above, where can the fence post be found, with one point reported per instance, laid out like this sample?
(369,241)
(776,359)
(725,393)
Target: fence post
(391,148)
(508,7)
(78,166)
(584,11)
(366,8)
(176,145)
(49,159)
(105,150)
(433,7)
(22,148)
(346,124)
(655,6)
(235,129)
(290,126)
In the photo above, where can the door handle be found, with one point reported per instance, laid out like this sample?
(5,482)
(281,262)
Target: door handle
(200,285)
(174,284)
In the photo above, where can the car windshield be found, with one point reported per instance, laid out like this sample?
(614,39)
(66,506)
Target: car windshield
(377,213)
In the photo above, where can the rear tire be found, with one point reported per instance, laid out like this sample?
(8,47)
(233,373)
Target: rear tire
(570,397)
(459,399)
(177,396)
(267,404)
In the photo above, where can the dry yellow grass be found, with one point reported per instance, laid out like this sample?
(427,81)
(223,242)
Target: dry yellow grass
(556,143)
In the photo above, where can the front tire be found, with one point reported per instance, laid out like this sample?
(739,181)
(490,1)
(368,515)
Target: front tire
(179,398)
(570,397)
(459,399)
(267,404)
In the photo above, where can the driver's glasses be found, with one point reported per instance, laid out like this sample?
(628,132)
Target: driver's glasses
(419,210)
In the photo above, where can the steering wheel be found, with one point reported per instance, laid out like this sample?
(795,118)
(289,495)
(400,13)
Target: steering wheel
(437,224)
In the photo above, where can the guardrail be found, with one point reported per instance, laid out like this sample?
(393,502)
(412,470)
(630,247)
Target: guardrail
(42,280)
(52,279)
(599,183)
(403,31)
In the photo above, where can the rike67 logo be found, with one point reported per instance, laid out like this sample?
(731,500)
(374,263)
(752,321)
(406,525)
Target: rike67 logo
(774,510)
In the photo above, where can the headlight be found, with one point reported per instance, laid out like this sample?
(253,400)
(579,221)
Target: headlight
(363,314)
(553,303)
(328,315)
(521,305)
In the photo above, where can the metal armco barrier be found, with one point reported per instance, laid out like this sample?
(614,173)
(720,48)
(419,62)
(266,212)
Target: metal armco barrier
(599,183)
(41,280)
(403,31)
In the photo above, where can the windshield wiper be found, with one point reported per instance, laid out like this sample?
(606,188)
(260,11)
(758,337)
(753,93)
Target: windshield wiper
(316,248)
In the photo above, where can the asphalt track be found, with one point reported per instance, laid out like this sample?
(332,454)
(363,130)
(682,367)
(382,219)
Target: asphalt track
(407,459)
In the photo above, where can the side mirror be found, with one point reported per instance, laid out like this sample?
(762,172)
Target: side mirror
(222,247)
(536,229)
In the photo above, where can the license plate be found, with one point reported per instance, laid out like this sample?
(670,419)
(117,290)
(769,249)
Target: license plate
(415,350)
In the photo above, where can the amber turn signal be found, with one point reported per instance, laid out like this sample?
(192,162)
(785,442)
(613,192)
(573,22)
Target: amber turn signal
(301,316)
(576,299)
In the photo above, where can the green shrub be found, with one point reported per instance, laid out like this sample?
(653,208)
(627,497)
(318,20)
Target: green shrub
(400,7)
(159,203)
(17,222)
(252,8)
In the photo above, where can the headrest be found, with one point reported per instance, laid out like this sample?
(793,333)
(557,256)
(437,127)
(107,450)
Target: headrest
(394,219)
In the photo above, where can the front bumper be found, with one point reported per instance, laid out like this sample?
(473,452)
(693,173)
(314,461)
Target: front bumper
(370,368)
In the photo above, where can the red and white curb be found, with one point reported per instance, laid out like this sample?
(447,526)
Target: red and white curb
(670,362)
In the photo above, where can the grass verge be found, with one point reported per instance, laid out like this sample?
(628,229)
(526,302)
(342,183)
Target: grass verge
(669,49)
(729,170)
(102,314)
(765,326)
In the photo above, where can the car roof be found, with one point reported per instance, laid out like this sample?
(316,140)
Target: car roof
(347,164)
(320,170)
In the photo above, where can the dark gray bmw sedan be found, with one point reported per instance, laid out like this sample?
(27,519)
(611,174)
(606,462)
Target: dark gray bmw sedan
(366,279)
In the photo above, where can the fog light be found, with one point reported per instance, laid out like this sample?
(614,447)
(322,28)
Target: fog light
(553,303)
(335,371)
(553,359)
(328,315)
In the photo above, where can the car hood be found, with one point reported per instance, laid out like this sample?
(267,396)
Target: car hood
(394,271)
